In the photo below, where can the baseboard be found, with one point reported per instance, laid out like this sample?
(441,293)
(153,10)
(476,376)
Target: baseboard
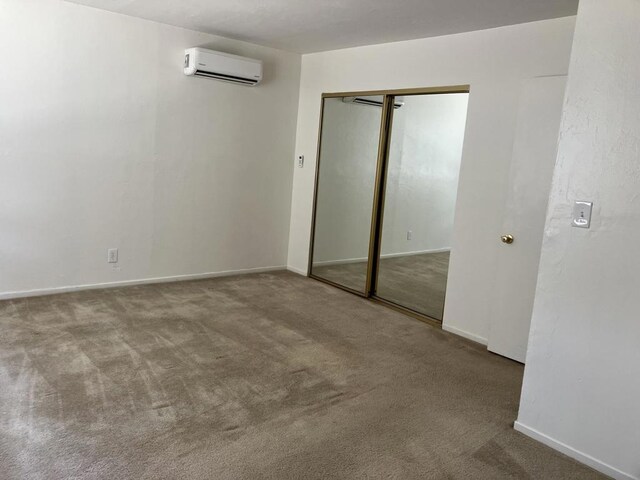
(417,252)
(465,334)
(297,270)
(143,281)
(573,453)
(344,261)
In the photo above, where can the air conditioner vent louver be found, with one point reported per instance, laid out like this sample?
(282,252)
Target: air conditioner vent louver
(226,78)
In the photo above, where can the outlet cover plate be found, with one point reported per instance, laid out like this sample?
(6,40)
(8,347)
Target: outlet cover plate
(112,255)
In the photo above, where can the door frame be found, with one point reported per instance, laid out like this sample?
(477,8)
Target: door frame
(377,210)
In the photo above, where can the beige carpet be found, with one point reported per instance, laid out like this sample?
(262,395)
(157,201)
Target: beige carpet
(270,376)
(417,282)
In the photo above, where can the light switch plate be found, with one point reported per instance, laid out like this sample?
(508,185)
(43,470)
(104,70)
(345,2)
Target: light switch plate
(582,214)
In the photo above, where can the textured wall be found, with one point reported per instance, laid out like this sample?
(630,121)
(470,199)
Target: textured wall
(581,384)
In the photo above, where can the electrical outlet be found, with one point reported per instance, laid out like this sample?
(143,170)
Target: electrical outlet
(112,255)
(409,234)
(300,161)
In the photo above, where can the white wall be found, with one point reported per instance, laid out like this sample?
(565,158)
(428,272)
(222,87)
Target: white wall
(105,143)
(493,62)
(581,388)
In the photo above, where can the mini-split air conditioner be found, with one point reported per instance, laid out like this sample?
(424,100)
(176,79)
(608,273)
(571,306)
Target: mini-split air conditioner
(376,101)
(200,62)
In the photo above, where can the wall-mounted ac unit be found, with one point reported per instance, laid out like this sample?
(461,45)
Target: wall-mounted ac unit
(376,101)
(200,62)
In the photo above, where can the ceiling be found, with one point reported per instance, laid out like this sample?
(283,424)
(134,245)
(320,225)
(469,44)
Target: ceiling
(306,26)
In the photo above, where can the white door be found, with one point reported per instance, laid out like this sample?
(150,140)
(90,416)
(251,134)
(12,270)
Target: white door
(534,156)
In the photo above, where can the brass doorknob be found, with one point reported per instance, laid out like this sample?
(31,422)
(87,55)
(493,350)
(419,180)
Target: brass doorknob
(507,239)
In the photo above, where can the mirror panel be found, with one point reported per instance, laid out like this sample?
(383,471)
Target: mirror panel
(345,191)
(419,201)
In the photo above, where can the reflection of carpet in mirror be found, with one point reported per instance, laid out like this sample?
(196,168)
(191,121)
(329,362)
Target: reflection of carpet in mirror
(417,282)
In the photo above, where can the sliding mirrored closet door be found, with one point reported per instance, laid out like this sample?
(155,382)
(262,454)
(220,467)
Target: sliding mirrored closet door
(420,190)
(346,182)
(386,186)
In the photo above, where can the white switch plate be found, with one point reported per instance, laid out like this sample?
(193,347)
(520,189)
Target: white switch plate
(582,214)
(112,255)
(300,161)
(409,234)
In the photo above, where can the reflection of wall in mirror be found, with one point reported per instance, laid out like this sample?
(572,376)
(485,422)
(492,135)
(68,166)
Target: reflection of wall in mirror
(348,159)
(422,179)
(424,166)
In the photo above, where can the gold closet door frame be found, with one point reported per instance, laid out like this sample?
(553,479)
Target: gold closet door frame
(377,209)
